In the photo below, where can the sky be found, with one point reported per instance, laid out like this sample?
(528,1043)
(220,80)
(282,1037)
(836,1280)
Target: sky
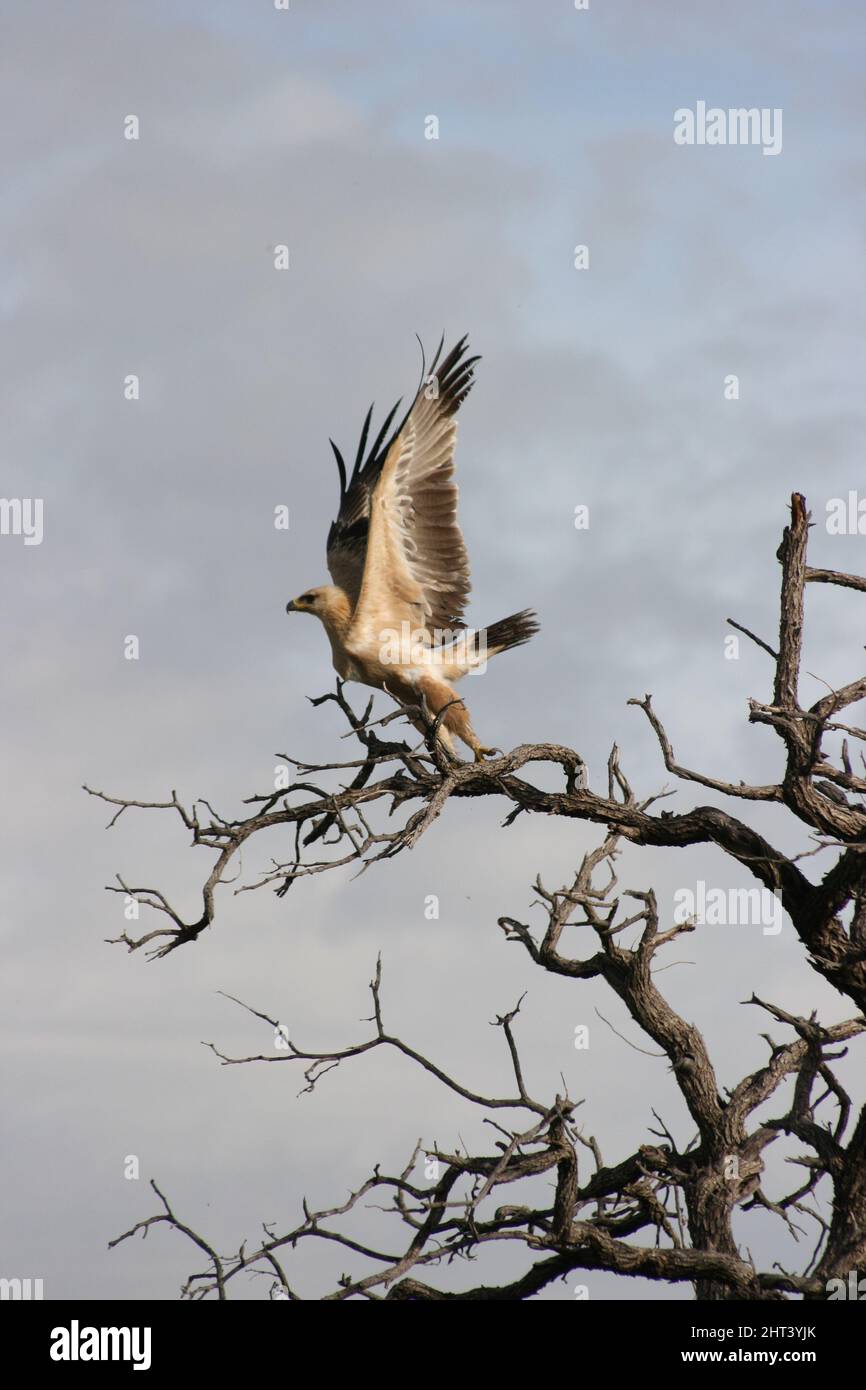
(602,387)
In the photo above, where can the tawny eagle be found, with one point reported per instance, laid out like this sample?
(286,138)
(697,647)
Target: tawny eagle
(394,613)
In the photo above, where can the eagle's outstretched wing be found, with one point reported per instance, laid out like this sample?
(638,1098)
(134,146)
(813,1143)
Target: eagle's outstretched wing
(416,567)
(347,538)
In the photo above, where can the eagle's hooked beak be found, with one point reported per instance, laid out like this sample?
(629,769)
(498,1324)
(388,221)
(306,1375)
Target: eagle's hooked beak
(291,606)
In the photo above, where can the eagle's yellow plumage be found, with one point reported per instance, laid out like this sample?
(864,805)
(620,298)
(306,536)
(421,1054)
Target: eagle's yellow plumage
(394,613)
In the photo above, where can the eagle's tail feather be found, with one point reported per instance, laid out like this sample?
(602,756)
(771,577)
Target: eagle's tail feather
(510,632)
(472,648)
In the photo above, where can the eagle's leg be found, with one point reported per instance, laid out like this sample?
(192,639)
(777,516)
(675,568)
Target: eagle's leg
(481,752)
(412,697)
(438,695)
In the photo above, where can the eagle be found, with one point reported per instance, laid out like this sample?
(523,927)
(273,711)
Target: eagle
(400,570)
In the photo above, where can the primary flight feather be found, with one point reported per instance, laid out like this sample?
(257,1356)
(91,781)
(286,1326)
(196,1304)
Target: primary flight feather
(396,554)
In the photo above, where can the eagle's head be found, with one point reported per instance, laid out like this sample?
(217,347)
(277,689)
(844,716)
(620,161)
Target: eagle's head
(306,603)
(327,603)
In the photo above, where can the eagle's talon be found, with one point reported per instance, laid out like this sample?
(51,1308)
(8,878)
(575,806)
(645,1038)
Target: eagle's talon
(481,752)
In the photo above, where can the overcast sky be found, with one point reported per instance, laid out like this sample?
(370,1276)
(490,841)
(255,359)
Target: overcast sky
(602,387)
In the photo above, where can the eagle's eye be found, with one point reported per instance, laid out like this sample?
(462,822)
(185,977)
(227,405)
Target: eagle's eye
(306,598)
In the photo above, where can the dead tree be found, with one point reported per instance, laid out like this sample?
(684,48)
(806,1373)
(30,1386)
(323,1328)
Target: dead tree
(660,1212)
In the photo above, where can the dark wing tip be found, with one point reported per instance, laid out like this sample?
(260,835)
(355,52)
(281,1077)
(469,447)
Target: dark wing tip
(341,467)
(456,376)
(362,442)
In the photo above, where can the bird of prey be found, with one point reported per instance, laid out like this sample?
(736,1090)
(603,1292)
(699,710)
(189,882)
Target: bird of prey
(394,613)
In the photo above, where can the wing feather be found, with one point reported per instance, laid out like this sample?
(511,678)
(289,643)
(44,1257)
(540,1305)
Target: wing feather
(416,566)
(347,537)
